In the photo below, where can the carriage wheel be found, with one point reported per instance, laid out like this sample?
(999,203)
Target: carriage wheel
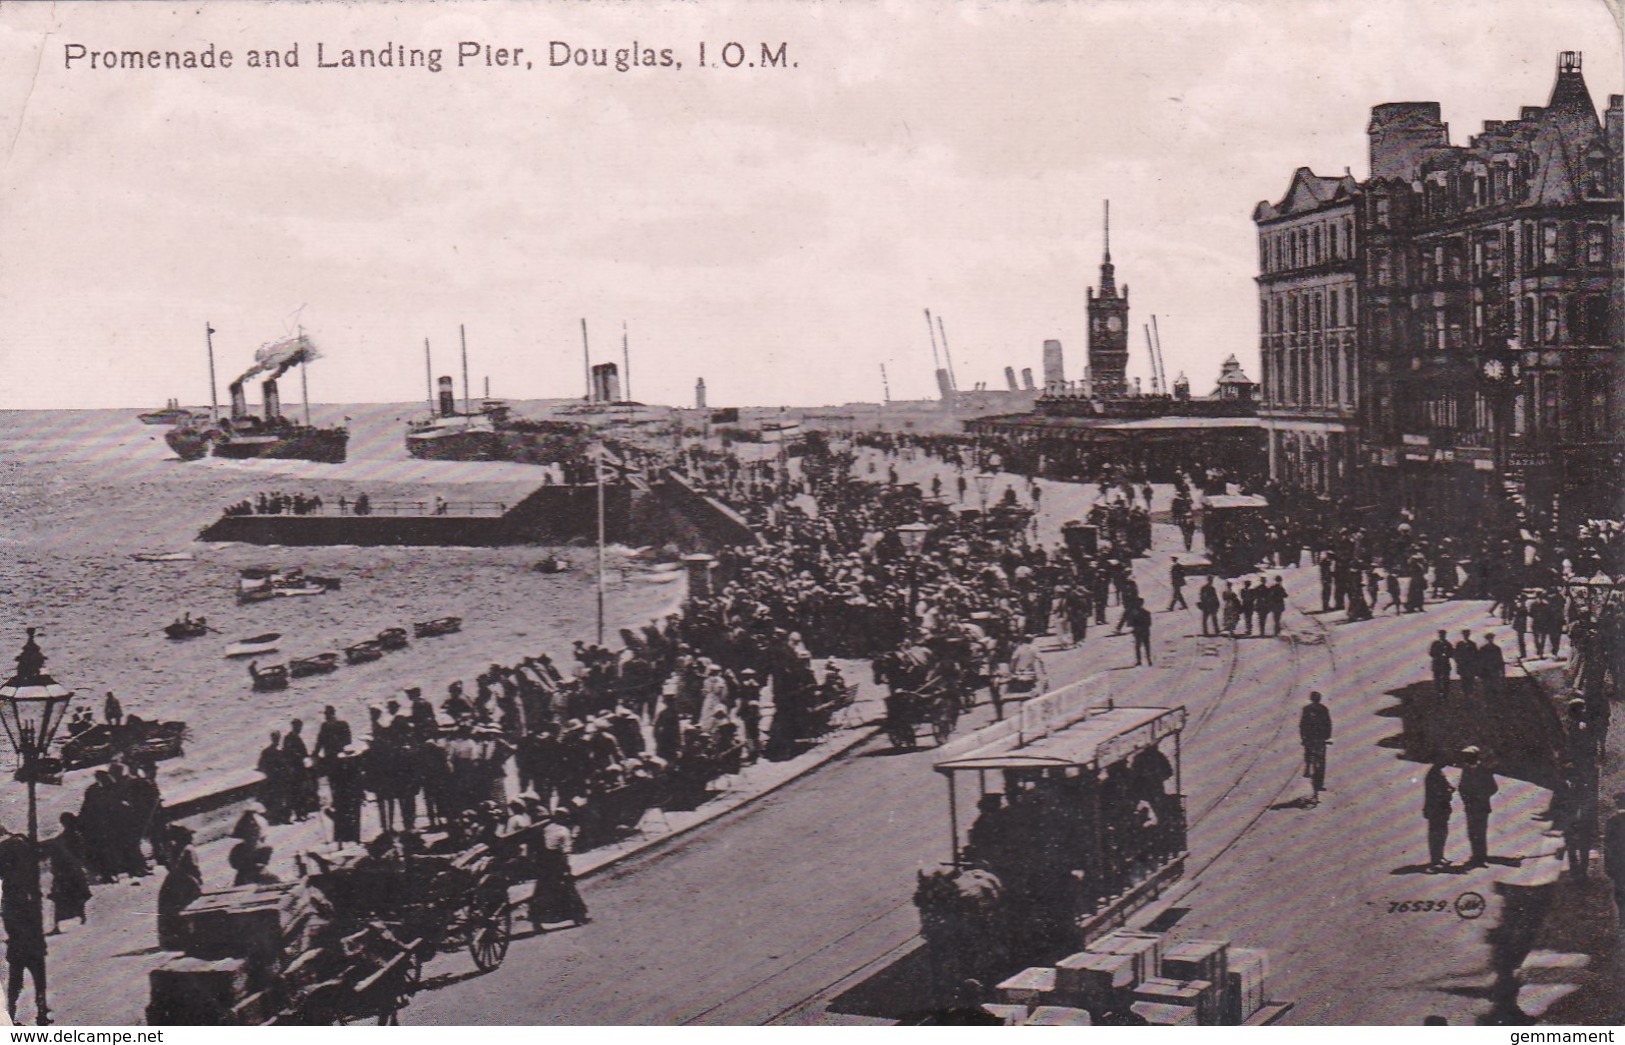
(943,728)
(902,737)
(488,934)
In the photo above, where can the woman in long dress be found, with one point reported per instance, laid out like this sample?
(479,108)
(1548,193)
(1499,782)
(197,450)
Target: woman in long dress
(1060,619)
(70,882)
(1232,611)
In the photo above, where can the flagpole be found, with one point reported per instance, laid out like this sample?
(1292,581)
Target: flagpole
(214,398)
(598,470)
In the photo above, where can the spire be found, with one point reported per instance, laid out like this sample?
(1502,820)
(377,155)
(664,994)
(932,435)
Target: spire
(1108,278)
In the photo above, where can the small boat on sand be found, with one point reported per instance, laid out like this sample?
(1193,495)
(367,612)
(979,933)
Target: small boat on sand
(424,629)
(162,556)
(254,646)
(393,638)
(320,664)
(187,628)
(272,676)
(363,652)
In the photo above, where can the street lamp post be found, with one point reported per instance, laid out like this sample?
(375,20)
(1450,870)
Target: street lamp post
(912,537)
(31,706)
(984,484)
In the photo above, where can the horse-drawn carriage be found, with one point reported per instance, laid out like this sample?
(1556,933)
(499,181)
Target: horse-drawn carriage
(1079,821)
(345,944)
(930,684)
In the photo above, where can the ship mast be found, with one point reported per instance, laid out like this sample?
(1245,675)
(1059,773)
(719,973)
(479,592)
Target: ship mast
(462,337)
(586,359)
(304,380)
(214,401)
(428,377)
(626,366)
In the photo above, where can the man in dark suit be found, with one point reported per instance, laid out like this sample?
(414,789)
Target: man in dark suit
(1315,732)
(1492,668)
(1442,654)
(1207,602)
(1466,656)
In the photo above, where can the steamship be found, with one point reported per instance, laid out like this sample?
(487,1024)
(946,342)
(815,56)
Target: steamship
(243,435)
(492,434)
(173,413)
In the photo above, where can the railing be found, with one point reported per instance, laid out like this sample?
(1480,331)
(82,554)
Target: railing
(394,508)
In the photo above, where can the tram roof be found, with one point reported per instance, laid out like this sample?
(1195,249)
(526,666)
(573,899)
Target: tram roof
(1101,739)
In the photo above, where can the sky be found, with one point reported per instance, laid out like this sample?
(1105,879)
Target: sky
(776,231)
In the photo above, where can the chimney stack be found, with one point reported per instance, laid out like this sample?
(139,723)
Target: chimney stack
(239,401)
(1054,368)
(273,400)
(1010,378)
(1027,378)
(448,397)
(699,394)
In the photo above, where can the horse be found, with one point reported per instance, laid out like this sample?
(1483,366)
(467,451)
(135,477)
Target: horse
(965,926)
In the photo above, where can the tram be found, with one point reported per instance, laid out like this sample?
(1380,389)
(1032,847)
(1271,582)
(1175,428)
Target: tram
(1065,821)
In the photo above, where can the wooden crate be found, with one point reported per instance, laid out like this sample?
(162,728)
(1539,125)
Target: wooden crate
(1249,968)
(1200,995)
(1011,1015)
(1160,1014)
(1145,948)
(196,992)
(1094,980)
(1057,1016)
(1196,960)
(1029,987)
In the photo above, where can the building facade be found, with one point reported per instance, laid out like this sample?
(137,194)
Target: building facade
(1477,335)
(1309,254)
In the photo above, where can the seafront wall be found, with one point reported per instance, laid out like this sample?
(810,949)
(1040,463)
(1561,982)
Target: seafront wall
(671,512)
(547,515)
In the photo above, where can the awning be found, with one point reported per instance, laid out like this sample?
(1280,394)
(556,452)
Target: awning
(1101,739)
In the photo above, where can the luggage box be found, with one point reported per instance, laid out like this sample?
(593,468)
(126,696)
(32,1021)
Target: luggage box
(1012,1015)
(1159,1014)
(1198,994)
(1145,948)
(1057,1016)
(195,992)
(1249,967)
(1094,981)
(1029,987)
(1196,960)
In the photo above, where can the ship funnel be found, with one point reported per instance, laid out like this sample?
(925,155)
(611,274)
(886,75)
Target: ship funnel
(448,397)
(239,401)
(1010,378)
(273,400)
(1027,378)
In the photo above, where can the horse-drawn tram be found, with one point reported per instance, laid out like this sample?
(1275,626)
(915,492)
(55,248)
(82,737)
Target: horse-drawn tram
(1066,822)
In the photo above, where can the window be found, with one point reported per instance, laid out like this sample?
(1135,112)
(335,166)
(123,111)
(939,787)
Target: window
(1385,271)
(1263,317)
(1331,309)
(1315,314)
(1528,245)
(1348,305)
(1596,244)
(1549,320)
(1332,232)
(1382,212)
(1498,183)
(1526,316)
(1548,243)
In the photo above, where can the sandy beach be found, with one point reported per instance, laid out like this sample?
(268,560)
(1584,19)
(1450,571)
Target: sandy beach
(81,492)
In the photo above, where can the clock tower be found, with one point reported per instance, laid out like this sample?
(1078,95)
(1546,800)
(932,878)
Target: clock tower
(1108,327)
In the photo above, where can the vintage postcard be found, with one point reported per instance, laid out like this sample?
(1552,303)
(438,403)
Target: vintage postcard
(484,539)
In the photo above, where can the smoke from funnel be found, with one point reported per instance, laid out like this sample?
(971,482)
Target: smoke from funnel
(278,356)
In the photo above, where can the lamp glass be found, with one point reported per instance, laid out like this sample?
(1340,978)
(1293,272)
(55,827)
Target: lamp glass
(913,536)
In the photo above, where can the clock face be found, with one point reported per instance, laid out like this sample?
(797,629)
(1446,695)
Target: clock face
(1114,324)
(1494,370)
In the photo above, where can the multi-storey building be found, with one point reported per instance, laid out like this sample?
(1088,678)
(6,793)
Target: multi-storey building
(1308,308)
(1484,282)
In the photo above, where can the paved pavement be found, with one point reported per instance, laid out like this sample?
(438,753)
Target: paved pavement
(796,907)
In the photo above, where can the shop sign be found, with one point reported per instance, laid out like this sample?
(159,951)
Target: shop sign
(1415,440)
